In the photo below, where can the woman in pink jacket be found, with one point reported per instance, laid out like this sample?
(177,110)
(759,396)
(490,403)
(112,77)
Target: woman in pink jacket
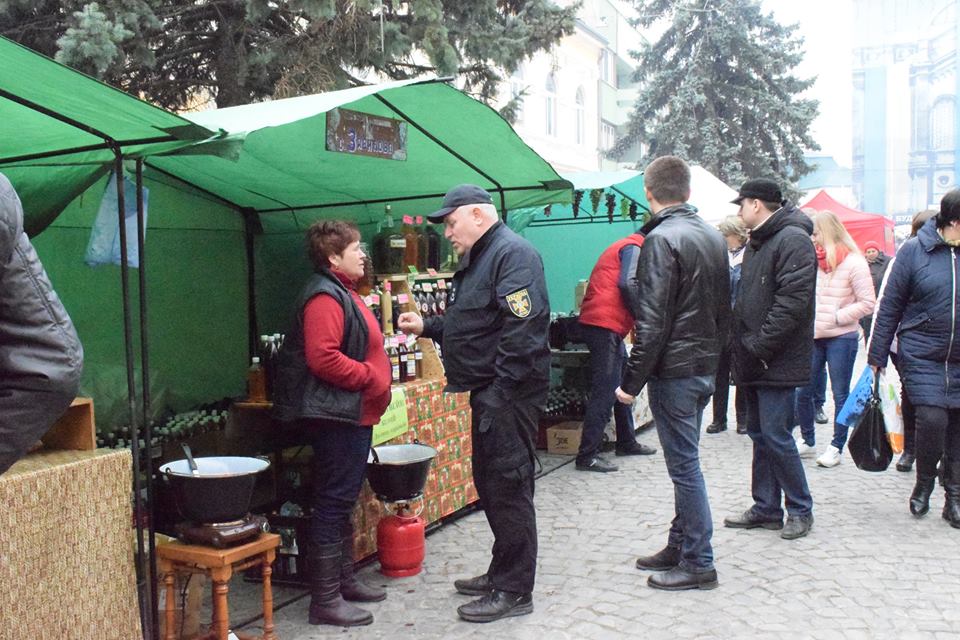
(844,295)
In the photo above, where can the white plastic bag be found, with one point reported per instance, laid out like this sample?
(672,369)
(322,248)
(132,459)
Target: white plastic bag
(892,415)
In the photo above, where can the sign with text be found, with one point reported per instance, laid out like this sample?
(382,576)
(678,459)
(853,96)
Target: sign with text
(364,134)
(395,421)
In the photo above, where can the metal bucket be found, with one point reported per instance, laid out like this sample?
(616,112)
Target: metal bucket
(398,472)
(220,489)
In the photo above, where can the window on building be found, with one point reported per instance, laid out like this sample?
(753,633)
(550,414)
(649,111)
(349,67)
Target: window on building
(551,105)
(608,135)
(516,93)
(581,118)
(605,65)
(941,124)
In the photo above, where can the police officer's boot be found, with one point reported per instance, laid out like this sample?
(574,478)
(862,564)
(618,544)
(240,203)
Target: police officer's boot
(351,587)
(327,605)
(951,486)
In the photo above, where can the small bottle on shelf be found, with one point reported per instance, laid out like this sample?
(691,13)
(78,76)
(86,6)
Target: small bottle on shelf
(256,382)
(402,351)
(394,357)
(386,309)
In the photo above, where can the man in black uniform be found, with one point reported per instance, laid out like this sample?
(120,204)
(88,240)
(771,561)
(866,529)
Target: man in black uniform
(494,339)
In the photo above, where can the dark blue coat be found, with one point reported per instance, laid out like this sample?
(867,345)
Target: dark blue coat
(920,305)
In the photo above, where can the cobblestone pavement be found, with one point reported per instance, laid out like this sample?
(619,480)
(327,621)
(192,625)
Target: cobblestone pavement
(868,569)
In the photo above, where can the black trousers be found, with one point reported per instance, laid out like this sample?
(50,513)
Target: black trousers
(938,433)
(721,392)
(26,415)
(503,473)
(337,470)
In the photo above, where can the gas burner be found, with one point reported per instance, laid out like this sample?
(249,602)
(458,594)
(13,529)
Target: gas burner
(222,534)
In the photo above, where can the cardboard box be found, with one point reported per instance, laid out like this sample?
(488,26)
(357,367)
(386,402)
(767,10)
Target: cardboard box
(564,438)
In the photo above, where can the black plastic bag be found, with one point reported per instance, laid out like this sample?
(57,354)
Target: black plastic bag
(869,445)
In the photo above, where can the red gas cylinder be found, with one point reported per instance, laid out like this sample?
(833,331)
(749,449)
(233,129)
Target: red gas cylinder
(400,545)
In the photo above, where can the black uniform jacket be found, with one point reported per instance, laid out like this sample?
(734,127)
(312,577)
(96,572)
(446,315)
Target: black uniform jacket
(683,313)
(773,316)
(495,328)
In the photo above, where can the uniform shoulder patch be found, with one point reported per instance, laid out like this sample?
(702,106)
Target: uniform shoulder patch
(519,303)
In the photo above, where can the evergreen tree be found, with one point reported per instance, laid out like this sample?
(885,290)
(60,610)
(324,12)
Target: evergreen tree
(174,52)
(717,89)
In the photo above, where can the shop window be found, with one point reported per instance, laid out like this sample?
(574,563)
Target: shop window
(608,136)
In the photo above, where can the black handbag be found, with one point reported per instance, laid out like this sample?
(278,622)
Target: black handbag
(869,445)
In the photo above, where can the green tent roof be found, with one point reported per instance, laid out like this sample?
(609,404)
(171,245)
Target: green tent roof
(284,165)
(58,129)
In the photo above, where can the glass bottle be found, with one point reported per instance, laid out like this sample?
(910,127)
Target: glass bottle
(389,246)
(411,243)
(402,351)
(423,242)
(386,309)
(256,382)
(432,244)
(394,357)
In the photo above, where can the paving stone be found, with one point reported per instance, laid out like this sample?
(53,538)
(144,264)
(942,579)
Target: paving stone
(868,569)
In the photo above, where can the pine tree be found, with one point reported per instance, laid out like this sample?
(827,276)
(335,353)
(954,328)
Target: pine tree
(716,89)
(173,52)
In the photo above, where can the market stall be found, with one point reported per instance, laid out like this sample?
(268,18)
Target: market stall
(221,257)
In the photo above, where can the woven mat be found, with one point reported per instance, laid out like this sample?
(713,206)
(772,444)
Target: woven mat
(66,566)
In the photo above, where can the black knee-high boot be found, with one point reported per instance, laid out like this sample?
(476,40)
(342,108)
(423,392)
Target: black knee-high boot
(920,498)
(351,587)
(327,605)
(951,487)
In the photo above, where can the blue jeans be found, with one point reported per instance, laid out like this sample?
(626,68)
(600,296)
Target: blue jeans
(839,354)
(608,356)
(677,405)
(337,469)
(777,470)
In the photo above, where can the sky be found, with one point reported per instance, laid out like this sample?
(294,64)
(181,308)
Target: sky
(827,27)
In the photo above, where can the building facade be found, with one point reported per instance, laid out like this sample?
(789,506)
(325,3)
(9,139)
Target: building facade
(905,82)
(577,97)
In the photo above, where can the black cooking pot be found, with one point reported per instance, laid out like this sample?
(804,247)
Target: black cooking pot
(398,472)
(218,491)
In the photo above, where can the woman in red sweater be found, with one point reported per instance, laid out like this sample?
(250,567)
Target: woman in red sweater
(333,383)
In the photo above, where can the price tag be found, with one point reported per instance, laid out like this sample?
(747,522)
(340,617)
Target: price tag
(413,270)
(374,298)
(387,285)
(403,298)
(432,272)
(442,285)
(428,287)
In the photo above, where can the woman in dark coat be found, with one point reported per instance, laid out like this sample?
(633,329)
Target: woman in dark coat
(920,305)
(332,385)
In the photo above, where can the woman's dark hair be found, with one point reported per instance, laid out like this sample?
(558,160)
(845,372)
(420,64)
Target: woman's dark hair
(919,219)
(327,238)
(949,208)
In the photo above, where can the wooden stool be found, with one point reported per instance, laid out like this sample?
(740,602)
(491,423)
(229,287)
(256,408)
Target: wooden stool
(219,564)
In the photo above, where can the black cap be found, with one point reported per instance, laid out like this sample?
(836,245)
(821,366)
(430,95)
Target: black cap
(457,197)
(763,189)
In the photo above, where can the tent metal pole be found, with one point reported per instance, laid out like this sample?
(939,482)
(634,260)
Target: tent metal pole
(146,619)
(251,228)
(145,392)
(503,206)
(90,147)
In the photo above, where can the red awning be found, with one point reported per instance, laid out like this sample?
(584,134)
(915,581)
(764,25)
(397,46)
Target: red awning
(861,226)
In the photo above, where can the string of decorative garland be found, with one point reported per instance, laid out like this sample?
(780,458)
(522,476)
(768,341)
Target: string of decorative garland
(577,198)
(595,195)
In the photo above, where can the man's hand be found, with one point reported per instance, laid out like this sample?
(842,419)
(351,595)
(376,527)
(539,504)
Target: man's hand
(410,322)
(624,397)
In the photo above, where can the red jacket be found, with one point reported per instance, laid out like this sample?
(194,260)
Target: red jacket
(323,333)
(603,305)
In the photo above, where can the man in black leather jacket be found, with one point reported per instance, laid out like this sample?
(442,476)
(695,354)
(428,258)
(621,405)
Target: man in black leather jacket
(682,315)
(40,354)
(772,351)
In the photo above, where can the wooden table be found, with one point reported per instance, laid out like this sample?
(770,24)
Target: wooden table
(220,565)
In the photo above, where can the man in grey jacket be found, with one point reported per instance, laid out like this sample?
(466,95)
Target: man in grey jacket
(40,354)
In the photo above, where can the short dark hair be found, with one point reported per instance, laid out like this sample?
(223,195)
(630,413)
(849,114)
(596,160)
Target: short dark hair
(327,238)
(668,179)
(770,206)
(949,208)
(919,219)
